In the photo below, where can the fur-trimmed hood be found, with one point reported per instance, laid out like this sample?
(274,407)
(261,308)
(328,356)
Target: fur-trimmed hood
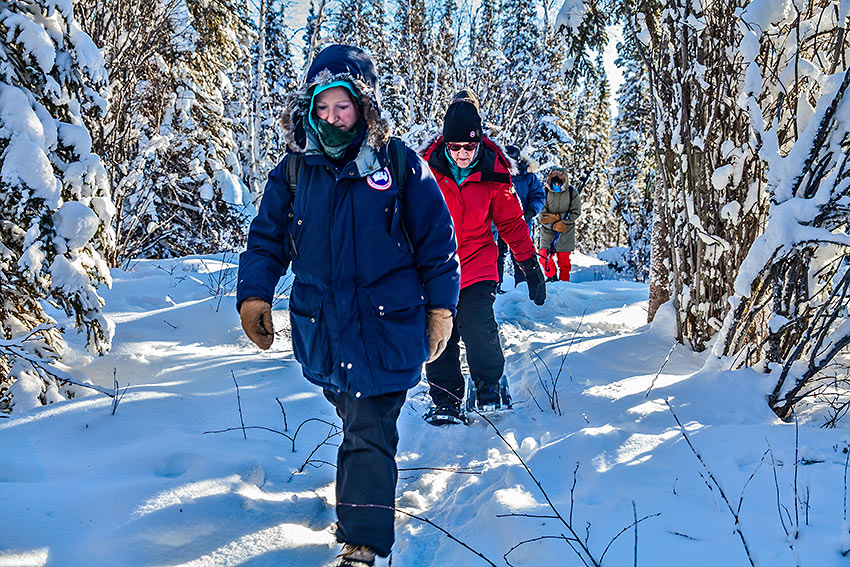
(556,173)
(335,63)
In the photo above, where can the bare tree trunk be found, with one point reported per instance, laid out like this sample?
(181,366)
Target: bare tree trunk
(314,40)
(659,274)
(259,97)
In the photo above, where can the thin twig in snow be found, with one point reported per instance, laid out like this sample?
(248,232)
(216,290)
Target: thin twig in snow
(624,530)
(663,364)
(116,398)
(796,470)
(715,482)
(239,404)
(583,552)
(846,463)
(532,540)
(331,434)
(634,512)
(421,519)
(283,411)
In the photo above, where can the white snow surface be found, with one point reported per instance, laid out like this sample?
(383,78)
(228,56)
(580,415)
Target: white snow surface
(152,485)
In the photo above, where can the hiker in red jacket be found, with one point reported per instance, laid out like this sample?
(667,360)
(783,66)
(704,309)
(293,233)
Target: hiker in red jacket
(474,176)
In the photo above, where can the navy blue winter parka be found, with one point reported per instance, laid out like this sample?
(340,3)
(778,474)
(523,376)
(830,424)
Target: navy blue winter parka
(359,299)
(530,191)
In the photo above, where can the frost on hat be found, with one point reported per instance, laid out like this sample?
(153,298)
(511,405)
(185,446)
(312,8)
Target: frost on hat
(462,122)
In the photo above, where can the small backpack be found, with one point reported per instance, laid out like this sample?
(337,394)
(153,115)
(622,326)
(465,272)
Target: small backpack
(398,170)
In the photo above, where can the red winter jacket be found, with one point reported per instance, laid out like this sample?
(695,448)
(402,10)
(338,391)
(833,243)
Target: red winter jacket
(485,196)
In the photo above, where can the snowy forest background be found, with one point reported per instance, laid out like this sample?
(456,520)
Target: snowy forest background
(133,130)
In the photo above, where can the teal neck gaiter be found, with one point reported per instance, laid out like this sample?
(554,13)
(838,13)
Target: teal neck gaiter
(460,174)
(334,140)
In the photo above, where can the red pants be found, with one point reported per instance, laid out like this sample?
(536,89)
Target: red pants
(549,267)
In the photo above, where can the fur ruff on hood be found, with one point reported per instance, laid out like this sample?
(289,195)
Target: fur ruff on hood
(298,104)
(557,172)
(531,164)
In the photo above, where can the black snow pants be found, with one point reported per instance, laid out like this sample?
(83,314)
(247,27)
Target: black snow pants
(475,323)
(366,469)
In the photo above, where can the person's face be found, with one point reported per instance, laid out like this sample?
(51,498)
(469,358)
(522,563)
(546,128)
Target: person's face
(335,107)
(462,153)
(557,184)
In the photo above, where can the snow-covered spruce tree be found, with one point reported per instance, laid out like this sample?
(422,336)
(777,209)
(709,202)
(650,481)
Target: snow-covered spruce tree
(363,23)
(550,133)
(346,22)
(54,195)
(515,100)
(314,31)
(486,59)
(595,228)
(199,199)
(280,80)
(446,44)
(793,289)
(138,45)
(632,161)
(414,99)
(713,199)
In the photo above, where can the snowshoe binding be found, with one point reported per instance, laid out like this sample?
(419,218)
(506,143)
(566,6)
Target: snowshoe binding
(446,414)
(489,400)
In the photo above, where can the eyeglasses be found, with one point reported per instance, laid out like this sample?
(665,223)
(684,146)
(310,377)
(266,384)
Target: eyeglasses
(465,147)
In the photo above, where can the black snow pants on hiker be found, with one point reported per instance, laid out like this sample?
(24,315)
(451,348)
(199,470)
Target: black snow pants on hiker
(475,323)
(366,468)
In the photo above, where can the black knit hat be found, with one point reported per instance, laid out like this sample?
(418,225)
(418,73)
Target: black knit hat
(462,122)
(513,152)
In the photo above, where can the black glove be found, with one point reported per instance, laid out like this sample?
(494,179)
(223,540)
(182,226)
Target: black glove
(534,279)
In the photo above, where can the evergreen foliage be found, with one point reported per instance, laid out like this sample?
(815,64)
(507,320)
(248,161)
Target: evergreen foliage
(54,195)
(280,80)
(590,153)
(632,163)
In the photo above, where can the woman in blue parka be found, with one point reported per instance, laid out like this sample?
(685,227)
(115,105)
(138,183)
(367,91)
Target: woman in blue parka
(531,193)
(376,278)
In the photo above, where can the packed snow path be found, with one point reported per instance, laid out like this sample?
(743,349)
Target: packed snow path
(153,485)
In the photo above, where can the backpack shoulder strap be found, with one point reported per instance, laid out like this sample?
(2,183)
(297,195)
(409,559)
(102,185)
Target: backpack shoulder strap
(398,169)
(293,170)
(398,163)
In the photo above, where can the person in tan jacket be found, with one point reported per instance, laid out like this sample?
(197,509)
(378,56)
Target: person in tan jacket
(558,226)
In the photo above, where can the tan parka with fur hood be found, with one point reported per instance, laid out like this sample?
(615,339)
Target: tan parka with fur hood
(566,203)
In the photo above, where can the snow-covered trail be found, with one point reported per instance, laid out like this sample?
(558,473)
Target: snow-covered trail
(152,485)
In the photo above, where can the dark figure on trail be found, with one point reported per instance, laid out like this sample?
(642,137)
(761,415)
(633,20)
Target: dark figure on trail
(558,226)
(474,177)
(531,193)
(372,248)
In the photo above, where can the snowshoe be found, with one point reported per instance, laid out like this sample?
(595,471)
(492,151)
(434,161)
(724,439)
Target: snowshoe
(505,392)
(495,398)
(487,399)
(471,395)
(447,414)
(356,556)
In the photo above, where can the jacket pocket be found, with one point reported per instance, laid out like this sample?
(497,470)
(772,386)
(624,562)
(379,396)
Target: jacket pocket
(395,327)
(310,342)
